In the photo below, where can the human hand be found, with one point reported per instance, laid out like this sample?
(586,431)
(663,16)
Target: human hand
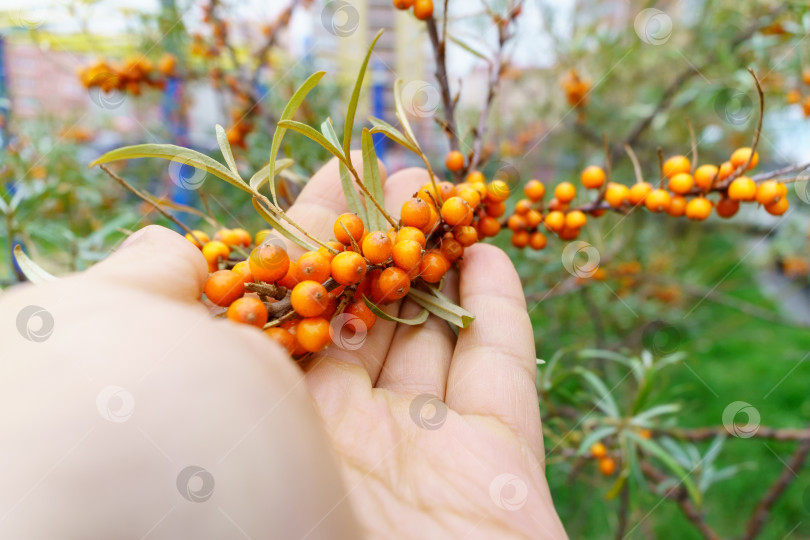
(437,437)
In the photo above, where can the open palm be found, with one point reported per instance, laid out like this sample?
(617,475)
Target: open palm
(437,436)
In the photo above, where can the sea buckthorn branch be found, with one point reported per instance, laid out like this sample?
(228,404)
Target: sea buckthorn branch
(439,45)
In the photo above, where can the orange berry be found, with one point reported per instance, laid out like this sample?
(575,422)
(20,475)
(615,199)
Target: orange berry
(556,204)
(523,206)
(537,240)
(228,237)
(727,207)
(348,268)
(242,236)
(496,209)
(465,235)
(248,310)
(677,206)
(516,222)
(598,450)
(348,227)
(242,268)
(742,189)
(451,248)
(565,192)
(309,298)
(261,236)
(475,177)
(658,200)
(394,283)
(607,466)
(269,262)
(740,157)
(592,177)
(423,9)
(359,309)
(638,193)
(411,233)
(768,192)
(456,211)
(328,254)
(792,96)
(726,168)
(415,213)
(676,165)
(213,252)
(407,254)
(433,223)
(534,190)
(520,239)
(616,194)
(497,191)
(698,208)
(533,218)
(290,279)
(575,219)
(403,4)
(555,221)
(470,195)
(433,267)
(778,208)
(454,161)
(704,175)
(488,226)
(313,266)
(446,190)
(568,234)
(203,238)
(377,247)
(223,287)
(282,337)
(681,183)
(313,334)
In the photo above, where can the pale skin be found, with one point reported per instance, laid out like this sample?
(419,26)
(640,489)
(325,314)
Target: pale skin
(341,449)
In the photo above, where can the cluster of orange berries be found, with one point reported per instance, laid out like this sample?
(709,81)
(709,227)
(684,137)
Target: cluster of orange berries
(576,88)
(607,465)
(129,76)
(436,225)
(422,9)
(794,95)
(685,195)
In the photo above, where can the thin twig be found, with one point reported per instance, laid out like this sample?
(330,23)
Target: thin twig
(693,141)
(636,164)
(444,84)
(151,202)
(660,168)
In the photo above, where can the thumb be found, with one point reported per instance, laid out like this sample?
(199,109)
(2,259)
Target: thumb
(155,260)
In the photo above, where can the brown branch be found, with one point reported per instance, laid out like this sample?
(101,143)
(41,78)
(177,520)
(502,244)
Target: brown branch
(779,172)
(494,81)
(763,432)
(693,142)
(624,511)
(678,494)
(439,49)
(775,491)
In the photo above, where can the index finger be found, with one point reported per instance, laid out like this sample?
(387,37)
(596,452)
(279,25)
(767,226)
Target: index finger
(492,372)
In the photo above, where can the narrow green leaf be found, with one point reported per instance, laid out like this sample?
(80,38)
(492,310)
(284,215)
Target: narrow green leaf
(263,175)
(400,111)
(441,308)
(312,133)
(419,319)
(643,418)
(358,85)
(352,197)
(31,270)
(225,147)
(594,437)
(328,130)
(282,229)
(177,154)
(682,476)
(289,111)
(469,49)
(373,183)
(605,401)
(3,206)
(381,126)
